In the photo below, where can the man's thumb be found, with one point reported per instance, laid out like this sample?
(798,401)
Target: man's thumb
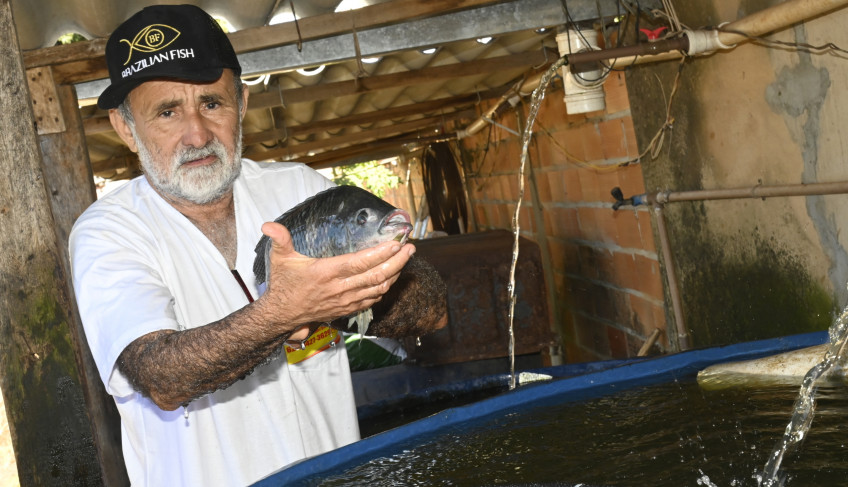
(281,240)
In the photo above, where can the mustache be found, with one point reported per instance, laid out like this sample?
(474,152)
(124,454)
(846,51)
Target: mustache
(189,154)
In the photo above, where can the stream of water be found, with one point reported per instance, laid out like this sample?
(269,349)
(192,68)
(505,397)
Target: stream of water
(804,407)
(526,136)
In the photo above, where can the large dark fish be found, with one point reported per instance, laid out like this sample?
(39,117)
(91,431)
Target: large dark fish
(337,221)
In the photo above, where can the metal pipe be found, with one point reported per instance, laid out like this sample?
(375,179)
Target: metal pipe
(659,199)
(673,288)
(758,191)
(640,50)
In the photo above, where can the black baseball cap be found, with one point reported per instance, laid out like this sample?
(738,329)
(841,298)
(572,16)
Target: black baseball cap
(165,41)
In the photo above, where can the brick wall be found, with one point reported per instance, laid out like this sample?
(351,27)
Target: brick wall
(603,265)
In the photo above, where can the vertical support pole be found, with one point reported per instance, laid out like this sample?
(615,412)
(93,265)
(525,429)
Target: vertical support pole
(70,184)
(39,374)
(673,288)
(410,191)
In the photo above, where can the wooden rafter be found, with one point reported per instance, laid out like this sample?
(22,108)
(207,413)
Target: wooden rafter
(441,104)
(377,149)
(302,149)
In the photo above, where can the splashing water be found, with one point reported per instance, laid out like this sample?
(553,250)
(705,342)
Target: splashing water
(805,405)
(526,136)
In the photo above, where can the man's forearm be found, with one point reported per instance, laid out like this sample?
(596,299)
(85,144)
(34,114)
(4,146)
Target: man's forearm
(173,368)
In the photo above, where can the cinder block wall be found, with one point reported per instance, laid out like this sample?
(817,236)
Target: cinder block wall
(606,284)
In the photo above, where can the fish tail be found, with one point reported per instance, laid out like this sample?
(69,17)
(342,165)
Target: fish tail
(362,320)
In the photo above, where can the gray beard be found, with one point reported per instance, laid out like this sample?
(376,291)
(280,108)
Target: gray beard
(199,185)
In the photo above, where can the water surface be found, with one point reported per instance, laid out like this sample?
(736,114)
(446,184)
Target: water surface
(672,434)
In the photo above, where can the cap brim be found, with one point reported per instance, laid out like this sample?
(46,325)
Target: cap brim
(114,95)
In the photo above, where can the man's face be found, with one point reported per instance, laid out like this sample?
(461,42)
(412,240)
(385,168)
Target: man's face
(187,136)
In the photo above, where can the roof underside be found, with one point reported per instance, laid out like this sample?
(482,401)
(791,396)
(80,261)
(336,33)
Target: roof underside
(352,110)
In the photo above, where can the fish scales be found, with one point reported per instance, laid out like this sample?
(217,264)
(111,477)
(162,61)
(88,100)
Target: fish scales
(333,222)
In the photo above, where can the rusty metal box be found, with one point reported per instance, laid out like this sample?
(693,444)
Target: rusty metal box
(475,267)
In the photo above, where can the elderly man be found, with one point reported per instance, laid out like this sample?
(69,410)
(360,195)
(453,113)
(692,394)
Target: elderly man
(162,273)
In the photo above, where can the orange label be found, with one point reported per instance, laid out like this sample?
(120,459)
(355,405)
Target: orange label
(323,338)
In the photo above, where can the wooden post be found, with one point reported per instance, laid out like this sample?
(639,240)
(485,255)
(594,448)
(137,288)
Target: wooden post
(39,375)
(70,184)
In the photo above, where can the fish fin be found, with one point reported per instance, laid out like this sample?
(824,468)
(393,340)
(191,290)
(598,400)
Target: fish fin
(362,320)
(267,258)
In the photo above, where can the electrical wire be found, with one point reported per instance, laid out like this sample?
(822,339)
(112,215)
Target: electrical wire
(578,162)
(476,172)
(657,141)
(676,26)
(829,48)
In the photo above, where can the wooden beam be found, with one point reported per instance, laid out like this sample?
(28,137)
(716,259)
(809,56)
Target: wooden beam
(438,104)
(45,101)
(80,71)
(302,149)
(106,167)
(369,151)
(97,125)
(293,151)
(269,36)
(358,154)
(403,111)
(39,369)
(78,51)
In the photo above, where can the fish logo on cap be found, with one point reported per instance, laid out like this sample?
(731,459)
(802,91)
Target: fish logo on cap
(152,38)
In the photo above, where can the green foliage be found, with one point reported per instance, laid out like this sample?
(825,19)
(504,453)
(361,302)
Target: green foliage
(69,38)
(372,175)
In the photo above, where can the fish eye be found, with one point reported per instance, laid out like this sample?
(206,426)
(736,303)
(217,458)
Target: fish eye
(362,217)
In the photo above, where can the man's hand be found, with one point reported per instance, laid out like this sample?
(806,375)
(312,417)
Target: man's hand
(303,290)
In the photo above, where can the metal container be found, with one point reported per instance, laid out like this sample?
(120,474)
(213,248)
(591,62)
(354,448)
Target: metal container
(475,267)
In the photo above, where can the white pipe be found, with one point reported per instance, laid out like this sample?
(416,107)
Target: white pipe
(757,24)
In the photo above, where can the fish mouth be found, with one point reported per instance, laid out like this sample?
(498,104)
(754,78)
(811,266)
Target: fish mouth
(397,223)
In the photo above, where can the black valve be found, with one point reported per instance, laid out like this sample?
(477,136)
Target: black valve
(620,200)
